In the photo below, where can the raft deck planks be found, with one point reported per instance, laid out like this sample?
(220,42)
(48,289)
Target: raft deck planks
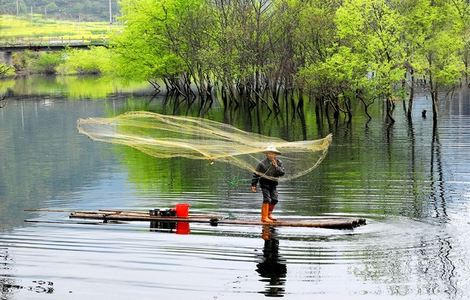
(319,222)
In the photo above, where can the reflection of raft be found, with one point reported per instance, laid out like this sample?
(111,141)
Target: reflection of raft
(319,222)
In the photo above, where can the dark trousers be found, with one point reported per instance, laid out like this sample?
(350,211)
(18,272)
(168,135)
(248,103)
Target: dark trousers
(269,195)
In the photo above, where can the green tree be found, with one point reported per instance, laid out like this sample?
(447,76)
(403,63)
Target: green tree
(440,55)
(462,11)
(338,80)
(373,29)
(144,48)
(257,51)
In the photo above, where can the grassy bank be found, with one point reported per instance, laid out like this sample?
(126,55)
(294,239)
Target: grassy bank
(97,60)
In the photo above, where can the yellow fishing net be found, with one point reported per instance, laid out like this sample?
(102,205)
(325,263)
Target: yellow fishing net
(164,136)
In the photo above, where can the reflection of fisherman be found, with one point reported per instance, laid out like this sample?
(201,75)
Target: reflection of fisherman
(271,265)
(271,167)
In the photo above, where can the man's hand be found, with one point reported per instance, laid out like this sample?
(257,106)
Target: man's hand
(274,162)
(253,189)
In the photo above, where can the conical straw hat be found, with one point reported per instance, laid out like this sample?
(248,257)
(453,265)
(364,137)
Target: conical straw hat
(271,148)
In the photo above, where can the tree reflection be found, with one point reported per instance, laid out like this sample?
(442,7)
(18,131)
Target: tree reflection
(71,87)
(272,267)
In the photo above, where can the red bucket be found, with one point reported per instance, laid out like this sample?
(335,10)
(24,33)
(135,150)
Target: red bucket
(182,210)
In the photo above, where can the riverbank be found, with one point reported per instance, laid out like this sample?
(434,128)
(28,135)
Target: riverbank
(93,61)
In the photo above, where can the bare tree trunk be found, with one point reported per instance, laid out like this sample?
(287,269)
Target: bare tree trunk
(366,106)
(155,85)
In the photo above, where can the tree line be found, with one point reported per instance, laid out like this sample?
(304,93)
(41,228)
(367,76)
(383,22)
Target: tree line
(335,52)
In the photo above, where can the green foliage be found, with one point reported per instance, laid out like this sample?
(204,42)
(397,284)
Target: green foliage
(373,30)
(47,62)
(23,61)
(144,49)
(97,60)
(316,31)
(443,47)
(335,72)
(6,71)
(444,63)
(379,43)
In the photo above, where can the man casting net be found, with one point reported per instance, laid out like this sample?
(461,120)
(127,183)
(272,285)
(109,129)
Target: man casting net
(164,136)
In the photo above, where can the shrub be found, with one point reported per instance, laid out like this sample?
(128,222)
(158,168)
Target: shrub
(47,62)
(6,71)
(97,60)
(24,61)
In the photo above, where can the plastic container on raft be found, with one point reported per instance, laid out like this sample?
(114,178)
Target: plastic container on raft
(182,210)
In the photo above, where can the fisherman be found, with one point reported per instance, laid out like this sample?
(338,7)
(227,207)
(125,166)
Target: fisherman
(267,172)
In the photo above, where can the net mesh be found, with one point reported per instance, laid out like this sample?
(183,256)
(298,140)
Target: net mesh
(164,136)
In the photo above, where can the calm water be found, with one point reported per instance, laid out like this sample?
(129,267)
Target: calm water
(414,193)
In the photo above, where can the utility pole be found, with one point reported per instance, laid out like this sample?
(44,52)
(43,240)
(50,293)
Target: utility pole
(17,8)
(110,12)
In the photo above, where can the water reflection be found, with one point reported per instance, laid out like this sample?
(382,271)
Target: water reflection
(414,192)
(5,281)
(71,87)
(272,267)
(165,226)
(9,285)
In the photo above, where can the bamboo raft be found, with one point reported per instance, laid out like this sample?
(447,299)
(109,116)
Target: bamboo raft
(214,220)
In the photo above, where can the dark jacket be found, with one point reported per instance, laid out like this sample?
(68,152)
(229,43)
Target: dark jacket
(266,168)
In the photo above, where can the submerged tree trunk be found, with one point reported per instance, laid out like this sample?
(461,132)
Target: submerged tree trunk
(412,91)
(466,54)
(347,103)
(389,109)
(319,114)
(435,105)
(434,99)
(366,105)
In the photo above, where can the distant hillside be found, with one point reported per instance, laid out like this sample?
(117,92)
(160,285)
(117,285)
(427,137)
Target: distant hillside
(87,10)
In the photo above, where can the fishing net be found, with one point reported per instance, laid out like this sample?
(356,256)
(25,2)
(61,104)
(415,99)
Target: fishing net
(164,136)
